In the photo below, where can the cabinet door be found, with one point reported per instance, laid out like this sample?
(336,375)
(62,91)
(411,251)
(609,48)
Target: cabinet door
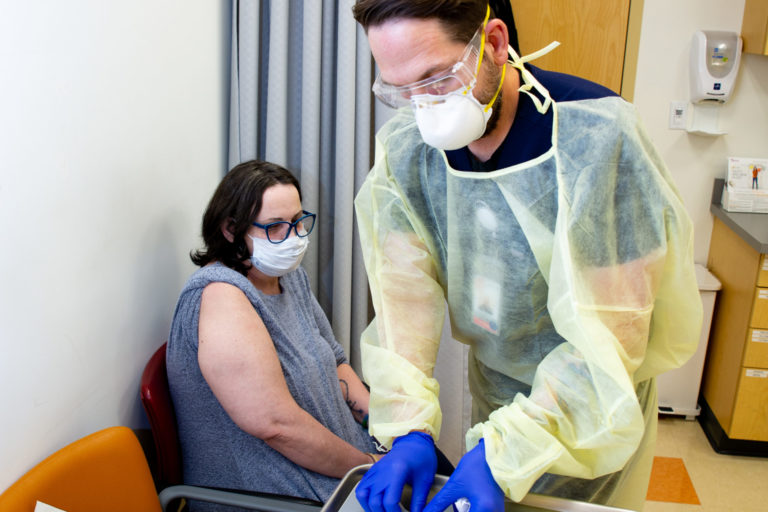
(760,309)
(754,27)
(756,350)
(750,412)
(592,35)
(762,276)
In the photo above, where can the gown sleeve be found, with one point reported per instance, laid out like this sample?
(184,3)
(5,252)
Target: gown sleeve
(399,347)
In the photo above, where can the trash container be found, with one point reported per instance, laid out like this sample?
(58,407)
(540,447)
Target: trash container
(679,388)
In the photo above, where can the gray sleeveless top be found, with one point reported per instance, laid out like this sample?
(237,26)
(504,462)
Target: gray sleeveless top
(215,451)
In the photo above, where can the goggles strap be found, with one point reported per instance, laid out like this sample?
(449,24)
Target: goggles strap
(482,40)
(529,80)
(482,51)
(480,61)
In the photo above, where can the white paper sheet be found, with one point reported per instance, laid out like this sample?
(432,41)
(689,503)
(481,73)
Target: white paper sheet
(44,507)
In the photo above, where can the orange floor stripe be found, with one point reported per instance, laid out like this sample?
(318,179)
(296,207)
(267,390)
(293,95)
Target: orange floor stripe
(670,482)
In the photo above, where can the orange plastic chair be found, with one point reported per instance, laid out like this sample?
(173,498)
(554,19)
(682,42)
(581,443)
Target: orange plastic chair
(107,471)
(103,471)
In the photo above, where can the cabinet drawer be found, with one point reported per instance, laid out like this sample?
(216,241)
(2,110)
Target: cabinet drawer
(750,412)
(760,309)
(762,276)
(756,349)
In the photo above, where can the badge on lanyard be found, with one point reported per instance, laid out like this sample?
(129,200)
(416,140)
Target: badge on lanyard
(486,303)
(486,287)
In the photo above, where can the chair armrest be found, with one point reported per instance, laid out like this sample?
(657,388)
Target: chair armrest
(222,497)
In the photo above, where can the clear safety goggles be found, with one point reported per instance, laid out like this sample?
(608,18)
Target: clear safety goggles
(460,77)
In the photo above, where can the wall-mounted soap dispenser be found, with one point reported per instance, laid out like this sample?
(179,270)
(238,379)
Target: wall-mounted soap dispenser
(715,58)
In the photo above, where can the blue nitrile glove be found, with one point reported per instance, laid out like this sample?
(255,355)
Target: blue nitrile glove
(473,480)
(411,460)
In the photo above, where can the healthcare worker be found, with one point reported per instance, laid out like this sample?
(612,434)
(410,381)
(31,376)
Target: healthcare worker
(534,204)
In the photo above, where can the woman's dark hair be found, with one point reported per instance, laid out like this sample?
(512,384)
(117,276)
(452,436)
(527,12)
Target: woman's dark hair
(236,204)
(459,17)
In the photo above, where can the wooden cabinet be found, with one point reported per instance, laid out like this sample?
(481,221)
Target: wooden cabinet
(754,27)
(598,38)
(735,385)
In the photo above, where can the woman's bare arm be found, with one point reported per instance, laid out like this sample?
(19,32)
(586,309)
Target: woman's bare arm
(239,362)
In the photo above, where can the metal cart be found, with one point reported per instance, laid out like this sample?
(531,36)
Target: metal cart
(343,498)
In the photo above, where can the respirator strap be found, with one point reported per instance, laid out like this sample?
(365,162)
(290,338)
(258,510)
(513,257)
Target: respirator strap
(498,90)
(529,80)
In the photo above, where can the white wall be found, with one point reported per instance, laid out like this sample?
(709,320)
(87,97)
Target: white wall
(662,77)
(112,138)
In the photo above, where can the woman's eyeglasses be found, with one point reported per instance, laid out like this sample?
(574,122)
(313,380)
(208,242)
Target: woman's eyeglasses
(278,232)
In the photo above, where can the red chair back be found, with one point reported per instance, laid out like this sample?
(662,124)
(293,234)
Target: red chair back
(156,399)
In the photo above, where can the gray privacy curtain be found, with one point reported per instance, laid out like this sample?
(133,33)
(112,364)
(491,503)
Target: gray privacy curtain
(301,97)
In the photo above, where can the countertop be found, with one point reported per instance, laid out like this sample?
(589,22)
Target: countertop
(752,227)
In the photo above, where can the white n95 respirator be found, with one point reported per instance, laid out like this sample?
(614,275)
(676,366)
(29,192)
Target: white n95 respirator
(450,121)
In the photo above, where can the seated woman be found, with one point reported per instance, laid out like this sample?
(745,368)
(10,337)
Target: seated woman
(264,397)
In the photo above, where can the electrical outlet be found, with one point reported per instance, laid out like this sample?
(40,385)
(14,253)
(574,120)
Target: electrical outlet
(678,111)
